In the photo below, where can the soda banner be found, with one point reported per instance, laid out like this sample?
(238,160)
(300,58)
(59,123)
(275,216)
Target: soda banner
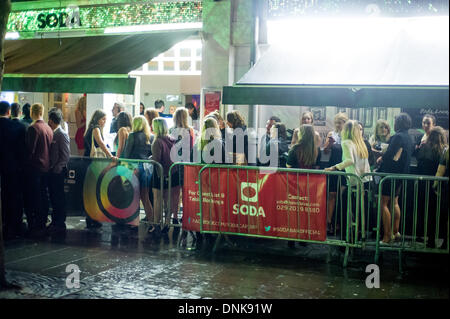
(288,205)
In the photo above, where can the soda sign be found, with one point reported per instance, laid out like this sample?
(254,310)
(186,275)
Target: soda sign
(248,202)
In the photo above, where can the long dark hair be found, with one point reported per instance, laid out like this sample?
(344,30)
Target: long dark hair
(194,114)
(437,140)
(97,116)
(236,119)
(124,119)
(307,149)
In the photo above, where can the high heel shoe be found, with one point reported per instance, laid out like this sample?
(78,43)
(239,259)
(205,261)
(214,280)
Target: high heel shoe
(383,243)
(397,236)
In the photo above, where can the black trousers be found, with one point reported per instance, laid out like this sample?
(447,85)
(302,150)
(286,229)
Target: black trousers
(36,199)
(12,209)
(57,198)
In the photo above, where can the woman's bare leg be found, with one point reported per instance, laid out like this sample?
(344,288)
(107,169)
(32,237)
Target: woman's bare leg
(396,216)
(157,205)
(386,218)
(147,205)
(330,207)
(175,201)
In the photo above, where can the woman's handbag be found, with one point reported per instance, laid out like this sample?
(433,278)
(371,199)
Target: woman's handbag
(96,151)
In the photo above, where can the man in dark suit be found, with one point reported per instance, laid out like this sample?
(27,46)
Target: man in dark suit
(117,108)
(12,153)
(38,138)
(59,157)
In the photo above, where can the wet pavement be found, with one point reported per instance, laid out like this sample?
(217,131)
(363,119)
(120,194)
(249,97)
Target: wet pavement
(118,264)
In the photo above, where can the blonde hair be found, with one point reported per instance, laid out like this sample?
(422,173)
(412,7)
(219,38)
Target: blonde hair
(37,109)
(351,131)
(341,117)
(160,127)
(140,124)
(180,118)
(377,126)
(209,123)
(307,113)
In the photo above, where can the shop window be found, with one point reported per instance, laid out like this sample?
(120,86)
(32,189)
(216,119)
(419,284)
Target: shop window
(169,66)
(185,52)
(185,65)
(152,66)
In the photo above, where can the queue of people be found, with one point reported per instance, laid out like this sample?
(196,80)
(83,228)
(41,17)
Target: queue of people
(37,156)
(32,171)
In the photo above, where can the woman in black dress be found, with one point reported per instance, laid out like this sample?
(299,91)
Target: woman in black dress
(397,160)
(428,156)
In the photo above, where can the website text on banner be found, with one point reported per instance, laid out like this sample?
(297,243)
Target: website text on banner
(249,202)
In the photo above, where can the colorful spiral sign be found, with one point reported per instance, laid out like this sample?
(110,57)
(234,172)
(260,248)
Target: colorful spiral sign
(111,193)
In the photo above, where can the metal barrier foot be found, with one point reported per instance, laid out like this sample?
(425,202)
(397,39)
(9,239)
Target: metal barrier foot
(347,250)
(217,243)
(400,262)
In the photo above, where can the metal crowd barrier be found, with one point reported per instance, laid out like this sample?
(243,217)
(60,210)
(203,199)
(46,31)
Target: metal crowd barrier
(426,208)
(354,223)
(358,208)
(171,168)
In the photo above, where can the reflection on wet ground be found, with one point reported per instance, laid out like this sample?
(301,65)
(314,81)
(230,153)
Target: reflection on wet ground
(116,263)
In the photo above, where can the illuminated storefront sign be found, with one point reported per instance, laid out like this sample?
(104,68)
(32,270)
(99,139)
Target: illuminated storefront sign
(100,17)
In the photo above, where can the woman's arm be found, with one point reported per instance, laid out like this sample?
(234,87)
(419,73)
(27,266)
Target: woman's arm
(393,148)
(123,135)
(347,158)
(328,143)
(156,151)
(78,118)
(129,144)
(101,144)
(294,138)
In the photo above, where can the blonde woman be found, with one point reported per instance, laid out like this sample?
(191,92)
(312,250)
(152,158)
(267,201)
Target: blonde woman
(180,121)
(211,140)
(236,122)
(355,158)
(380,140)
(333,146)
(138,146)
(354,152)
(216,115)
(80,118)
(161,147)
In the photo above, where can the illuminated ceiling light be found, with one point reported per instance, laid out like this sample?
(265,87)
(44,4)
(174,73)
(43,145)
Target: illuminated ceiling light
(12,35)
(154,27)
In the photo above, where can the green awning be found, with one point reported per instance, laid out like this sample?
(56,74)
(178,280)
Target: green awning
(61,83)
(341,96)
(92,64)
